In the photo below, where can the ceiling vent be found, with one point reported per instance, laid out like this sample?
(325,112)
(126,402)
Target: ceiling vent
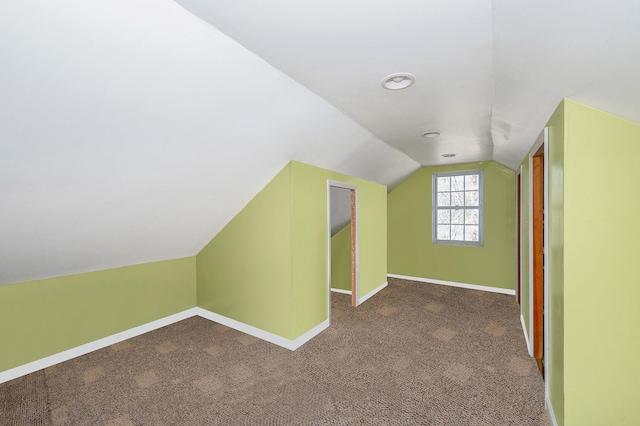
(398,81)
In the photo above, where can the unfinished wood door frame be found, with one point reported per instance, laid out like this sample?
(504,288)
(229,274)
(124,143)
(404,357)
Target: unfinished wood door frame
(355,250)
(538,252)
(538,242)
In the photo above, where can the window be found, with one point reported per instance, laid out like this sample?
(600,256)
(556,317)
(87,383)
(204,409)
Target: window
(457,208)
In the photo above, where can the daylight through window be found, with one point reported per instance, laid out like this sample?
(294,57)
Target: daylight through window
(457,208)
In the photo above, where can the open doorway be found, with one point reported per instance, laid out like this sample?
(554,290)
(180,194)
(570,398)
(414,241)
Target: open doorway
(342,211)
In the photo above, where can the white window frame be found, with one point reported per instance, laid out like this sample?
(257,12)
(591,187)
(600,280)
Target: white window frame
(434,211)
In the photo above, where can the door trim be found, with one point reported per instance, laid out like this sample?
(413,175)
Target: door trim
(355,249)
(537,254)
(519,237)
(541,141)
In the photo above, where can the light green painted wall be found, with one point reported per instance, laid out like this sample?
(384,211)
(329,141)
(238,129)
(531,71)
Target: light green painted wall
(244,273)
(525,181)
(411,251)
(555,222)
(44,317)
(310,241)
(268,266)
(601,268)
(341,259)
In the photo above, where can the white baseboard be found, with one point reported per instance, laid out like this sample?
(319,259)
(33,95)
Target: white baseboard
(261,334)
(372,292)
(552,415)
(454,284)
(301,340)
(34,366)
(526,336)
(339,290)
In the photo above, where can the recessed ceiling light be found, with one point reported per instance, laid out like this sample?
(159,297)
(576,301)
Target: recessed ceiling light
(448,155)
(398,81)
(430,134)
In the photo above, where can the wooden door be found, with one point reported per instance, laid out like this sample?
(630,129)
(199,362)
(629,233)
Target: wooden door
(538,224)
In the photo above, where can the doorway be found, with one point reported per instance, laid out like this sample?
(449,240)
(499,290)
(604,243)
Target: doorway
(342,213)
(539,238)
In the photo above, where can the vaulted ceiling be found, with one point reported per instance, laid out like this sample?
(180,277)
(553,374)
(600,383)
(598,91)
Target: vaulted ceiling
(488,72)
(133,131)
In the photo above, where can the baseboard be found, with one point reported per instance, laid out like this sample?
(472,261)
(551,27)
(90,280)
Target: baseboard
(34,366)
(301,340)
(261,334)
(372,293)
(46,362)
(526,336)
(552,415)
(339,290)
(454,284)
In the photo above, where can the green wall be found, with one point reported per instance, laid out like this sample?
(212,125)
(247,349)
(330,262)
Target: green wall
(44,317)
(268,266)
(411,250)
(555,222)
(310,235)
(341,259)
(601,268)
(244,273)
(593,338)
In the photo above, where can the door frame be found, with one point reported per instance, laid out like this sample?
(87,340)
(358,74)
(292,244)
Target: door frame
(355,249)
(541,141)
(538,265)
(519,237)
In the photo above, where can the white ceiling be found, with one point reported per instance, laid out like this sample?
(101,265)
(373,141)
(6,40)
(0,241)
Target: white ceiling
(133,131)
(489,73)
(342,50)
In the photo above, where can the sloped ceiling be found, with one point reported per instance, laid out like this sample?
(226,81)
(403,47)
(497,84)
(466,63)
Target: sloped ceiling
(546,50)
(342,50)
(489,73)
(133,131)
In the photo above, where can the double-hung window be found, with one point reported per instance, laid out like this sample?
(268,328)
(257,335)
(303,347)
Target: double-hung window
(457,208)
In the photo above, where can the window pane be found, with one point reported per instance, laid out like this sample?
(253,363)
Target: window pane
(472,198)
(457,232)
(457,183)
(457,198)
(457,216)
(443,232)
(444,184)
(444,216)
(444,199)
(472,182)
(456,212)
(471,217)
(471,233)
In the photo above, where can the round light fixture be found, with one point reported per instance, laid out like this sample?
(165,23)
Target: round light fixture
(398,81)
(430,134)
(448,155)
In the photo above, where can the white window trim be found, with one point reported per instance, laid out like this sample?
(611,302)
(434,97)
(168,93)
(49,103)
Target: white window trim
(434,209)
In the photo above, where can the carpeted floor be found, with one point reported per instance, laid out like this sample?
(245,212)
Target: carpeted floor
(415,354)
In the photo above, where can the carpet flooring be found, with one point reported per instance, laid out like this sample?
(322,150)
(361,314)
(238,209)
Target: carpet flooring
(415,354)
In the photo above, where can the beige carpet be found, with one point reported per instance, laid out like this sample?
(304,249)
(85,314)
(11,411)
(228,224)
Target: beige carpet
(415,354)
